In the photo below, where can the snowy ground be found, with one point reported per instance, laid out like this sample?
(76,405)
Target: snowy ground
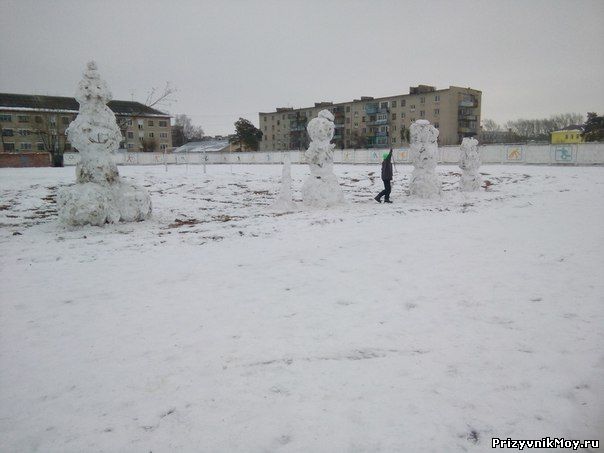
(218,326)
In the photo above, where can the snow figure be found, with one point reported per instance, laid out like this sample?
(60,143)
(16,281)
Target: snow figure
(469,161)
(321,188)
(99,196)
(424,182)
(284,201)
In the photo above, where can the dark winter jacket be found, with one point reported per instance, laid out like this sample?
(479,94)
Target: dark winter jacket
(387,168)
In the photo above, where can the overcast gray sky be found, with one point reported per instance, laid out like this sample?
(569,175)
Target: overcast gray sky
(530,58)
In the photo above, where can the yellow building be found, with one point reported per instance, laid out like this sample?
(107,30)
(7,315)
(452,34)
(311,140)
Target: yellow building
(571,134)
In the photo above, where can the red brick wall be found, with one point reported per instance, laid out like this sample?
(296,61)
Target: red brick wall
(25,160)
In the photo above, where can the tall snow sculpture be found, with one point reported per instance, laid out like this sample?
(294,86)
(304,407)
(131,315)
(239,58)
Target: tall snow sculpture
(321,188)
(469,161)
(424,181)
(99,195)
(284,201)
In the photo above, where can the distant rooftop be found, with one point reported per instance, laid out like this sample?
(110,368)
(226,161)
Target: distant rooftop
(203,146)
(64,104)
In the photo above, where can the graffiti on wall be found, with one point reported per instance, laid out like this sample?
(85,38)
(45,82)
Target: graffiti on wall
(563,153)
(514,154)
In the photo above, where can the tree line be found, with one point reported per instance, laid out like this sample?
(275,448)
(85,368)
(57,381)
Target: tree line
(540,129)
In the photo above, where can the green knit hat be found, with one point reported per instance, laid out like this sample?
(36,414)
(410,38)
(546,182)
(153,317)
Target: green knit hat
(384,156)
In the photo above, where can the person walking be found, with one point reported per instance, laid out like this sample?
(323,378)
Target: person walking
(386,177)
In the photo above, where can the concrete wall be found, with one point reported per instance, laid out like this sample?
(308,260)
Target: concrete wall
(561,154)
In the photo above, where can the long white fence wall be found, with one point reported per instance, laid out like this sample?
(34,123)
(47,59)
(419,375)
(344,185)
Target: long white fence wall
(566,154)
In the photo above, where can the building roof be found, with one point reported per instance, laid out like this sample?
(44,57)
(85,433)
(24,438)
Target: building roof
(10,101)
(413,91)
(571,127)
(203,146)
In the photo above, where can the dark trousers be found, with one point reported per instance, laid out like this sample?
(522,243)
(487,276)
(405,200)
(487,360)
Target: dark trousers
(387,189)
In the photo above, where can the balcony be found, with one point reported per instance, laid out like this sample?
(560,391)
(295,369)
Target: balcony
(371,109)
(468,103)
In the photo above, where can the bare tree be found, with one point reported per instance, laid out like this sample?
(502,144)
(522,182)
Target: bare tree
(190,131)
(155,98)
(540,129)
(490,125)
(149,145)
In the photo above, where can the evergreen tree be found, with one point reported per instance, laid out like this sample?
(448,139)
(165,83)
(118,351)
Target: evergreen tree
(593,129)
(247,134)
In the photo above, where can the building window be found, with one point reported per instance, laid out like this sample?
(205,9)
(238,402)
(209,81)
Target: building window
(437,98)
(130,145)
(436,111)
(381,117)
(278,122)
(393,104)
(151,135)
(23,118)
(163,146)
(393,139)
(65,120)
(5,118)
(40,146)
(163,124)
(140,126)
(150,122)
(25,146)
(265,118)
(348,120)
(7,132)
(163,135)
(422,99)
(402,114)
(24,132)
(130,134)
(129,122)
(347,109)
(436,125)
(384,105)
(422,113)
(403,102)
(9,147)
(363,119)
(53,121)
(412,107)
(393,116)
(37,119)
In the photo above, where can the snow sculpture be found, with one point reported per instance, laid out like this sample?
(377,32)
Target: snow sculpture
(321,188)
(469,161)
(99,195)
(424,181)
(284,201)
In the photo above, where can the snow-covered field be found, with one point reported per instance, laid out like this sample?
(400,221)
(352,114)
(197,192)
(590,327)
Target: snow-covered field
(218,326)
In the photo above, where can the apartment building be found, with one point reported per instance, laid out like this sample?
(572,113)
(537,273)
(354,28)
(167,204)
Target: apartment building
(384,122)
(38,123)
